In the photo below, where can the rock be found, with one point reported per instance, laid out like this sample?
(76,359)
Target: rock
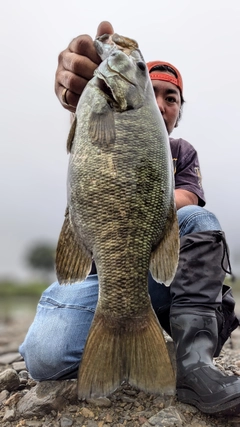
(198,424)
(13,399)
(101,402)
(166,418)
(9,380)
(19,366)
(130,392)
(109,418)
(159,402)
(24,375)
(95,424)
(66,422)
(187,409)
(142,420)
(23,382)
(87,413)
(46,397)
(235,421)
(4,395)
(32,423)
(6,359)
(55,403)
(9,415)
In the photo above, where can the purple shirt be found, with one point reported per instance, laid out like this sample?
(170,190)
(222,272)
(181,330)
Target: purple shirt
(186,168)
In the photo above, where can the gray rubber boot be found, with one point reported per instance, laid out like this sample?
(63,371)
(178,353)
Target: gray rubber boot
(203,262)
(199,382)
(196,292)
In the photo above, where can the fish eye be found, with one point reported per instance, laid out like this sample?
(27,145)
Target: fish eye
(141,65)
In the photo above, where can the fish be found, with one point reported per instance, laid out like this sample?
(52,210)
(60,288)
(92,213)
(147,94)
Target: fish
(120,213)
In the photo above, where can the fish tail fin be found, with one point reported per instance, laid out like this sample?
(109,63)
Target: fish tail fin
(134,351)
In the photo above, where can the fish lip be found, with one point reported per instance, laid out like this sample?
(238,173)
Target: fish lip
(121,75)
(101,76)
(105,88)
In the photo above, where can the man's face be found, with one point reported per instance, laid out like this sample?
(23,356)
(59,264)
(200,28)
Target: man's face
(169,102)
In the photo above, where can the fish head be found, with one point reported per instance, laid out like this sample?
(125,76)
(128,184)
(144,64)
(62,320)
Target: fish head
(122,75)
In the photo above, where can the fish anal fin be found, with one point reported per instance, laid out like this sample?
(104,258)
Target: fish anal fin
(102,126)
(71,135)
(164,259)
(135,352)
(73,261)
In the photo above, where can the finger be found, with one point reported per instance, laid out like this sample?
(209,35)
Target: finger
(83,45)
(104,28)
(72,82)
(74,85)
(68,99)
(78,64)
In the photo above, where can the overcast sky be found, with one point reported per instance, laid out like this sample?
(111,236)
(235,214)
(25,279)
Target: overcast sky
(199,38)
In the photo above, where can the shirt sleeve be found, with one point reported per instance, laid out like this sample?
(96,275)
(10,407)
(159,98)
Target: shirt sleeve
(187,171)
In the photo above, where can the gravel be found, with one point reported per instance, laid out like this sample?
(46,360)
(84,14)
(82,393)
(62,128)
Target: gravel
(26,403)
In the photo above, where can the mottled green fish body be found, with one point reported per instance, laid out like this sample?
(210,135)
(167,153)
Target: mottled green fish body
(121,213)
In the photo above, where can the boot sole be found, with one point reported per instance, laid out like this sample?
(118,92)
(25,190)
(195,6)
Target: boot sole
(223,408)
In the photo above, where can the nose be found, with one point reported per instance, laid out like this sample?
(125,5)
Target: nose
(160,103)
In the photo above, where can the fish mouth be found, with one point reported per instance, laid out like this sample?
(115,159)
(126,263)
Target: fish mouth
(119,103)
(105,88)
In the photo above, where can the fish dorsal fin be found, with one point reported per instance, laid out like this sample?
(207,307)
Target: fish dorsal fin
(102,125)
(71,135)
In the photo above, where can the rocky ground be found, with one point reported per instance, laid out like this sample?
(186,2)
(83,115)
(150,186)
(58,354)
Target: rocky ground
(23,402)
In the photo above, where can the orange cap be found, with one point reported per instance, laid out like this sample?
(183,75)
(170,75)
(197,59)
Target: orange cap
(159,75)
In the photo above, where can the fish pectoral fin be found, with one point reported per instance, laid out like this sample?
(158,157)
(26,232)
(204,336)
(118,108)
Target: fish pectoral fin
(71,135)
(73,260)
(164,259)
(102,125)
(135,351)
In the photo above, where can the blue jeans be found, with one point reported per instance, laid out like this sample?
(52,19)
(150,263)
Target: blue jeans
(54,344)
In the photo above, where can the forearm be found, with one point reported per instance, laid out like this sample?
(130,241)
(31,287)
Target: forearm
(185,198)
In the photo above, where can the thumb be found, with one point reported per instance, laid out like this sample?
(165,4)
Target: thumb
(104,28)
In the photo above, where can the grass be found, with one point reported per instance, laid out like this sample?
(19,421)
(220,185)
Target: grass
(234,284)
(35,289)
(8,288)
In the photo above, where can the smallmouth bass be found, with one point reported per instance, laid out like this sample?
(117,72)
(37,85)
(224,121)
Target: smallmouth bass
(121,213)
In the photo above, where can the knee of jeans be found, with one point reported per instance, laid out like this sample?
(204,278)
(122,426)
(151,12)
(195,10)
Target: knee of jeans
(194,219)
(49,360)
(55,341)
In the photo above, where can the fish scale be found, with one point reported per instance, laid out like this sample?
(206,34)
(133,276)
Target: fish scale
(121,213)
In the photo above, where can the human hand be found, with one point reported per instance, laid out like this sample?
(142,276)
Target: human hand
(76,65)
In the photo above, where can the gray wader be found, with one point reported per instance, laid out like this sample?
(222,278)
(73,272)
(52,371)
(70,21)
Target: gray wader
(200,318)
